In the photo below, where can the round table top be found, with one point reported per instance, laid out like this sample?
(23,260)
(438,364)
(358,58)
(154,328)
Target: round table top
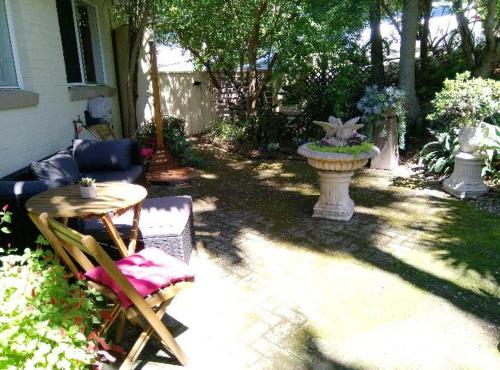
(66,201)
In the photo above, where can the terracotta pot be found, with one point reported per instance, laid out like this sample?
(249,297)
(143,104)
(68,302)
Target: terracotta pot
(88,192)
(470,138)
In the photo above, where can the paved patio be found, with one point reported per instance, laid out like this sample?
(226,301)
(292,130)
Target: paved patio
(400,286)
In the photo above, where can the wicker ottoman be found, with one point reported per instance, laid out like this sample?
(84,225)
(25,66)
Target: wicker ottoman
(165,223)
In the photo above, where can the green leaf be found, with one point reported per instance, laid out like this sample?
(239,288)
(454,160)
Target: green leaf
(41,240)
(5,230)
(440,163)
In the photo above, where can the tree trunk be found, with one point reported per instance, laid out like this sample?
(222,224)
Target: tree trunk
(491,52)
(407,61)
(135,39)
(424,41)
(467,42)
(376,45)
(253,87)
(253,46)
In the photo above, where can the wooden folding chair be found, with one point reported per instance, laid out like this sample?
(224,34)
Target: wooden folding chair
(73,249)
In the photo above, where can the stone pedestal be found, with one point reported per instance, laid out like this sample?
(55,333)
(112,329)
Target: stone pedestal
(334,202)
(335,171)
(386,138)
(466,181)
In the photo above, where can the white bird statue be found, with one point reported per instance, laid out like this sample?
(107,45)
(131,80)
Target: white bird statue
(337,132)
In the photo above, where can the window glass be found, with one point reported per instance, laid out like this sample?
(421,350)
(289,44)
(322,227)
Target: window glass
(68,38)
(8,76)
(80,40)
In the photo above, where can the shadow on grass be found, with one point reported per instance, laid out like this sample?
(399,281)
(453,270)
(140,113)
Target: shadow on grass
(276,199)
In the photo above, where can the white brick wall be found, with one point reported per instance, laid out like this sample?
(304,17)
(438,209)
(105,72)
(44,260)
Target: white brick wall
(32,133)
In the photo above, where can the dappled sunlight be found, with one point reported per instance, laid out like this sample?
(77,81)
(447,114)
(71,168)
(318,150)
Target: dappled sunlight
(208,176)
(394,278)
(348,314)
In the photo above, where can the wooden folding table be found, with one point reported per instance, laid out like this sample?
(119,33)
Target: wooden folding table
(113,198)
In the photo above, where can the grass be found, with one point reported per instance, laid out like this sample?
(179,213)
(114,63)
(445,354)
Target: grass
(354,150)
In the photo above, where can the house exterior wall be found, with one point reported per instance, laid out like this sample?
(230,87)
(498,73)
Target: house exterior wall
(31,133)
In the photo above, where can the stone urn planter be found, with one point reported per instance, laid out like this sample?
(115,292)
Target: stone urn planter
(470,138)
(335,171)
(466,180)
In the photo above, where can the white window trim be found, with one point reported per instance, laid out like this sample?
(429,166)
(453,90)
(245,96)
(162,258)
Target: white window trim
(13,45)
(78,46)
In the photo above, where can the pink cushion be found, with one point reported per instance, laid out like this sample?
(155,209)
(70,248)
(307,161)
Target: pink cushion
(148,271)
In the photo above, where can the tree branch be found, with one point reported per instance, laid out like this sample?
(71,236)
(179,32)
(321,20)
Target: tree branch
(391,16)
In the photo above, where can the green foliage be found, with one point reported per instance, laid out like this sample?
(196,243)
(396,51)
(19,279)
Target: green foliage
(173,137)
(438,156)
(233,40)
(5,218)
(228,34)
(233,131)
(377,102)
(491,146)
(86,181)
(257,131)
(465,100)
(46,321)
(354,150)
(320,96)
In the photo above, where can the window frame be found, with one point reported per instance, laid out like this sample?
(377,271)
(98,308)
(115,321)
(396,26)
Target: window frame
(13,46)
(79,46)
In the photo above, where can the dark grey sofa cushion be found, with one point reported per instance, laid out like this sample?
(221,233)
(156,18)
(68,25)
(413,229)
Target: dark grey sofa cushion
(131,174)
(22,190)
(60,167)
(109,155)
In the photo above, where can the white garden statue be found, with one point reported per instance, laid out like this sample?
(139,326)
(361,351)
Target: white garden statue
(338,133)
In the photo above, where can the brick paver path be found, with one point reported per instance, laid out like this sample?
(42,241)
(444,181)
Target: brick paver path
(277,289)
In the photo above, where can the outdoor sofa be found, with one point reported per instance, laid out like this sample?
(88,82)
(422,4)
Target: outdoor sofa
(111,160)
(165,222)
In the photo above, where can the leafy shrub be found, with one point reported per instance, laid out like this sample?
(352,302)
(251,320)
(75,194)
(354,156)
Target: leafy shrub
(377,102)
(46,321)
(465,100)
(491,146)
(438,156)
(255,131)
(233,131)
(173,137)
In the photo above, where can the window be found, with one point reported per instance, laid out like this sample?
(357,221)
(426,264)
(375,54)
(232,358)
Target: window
(8,76)
(80,41)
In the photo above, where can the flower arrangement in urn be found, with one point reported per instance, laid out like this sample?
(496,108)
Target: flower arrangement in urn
(87,187)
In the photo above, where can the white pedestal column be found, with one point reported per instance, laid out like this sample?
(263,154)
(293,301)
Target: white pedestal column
(466,181)
(388,159)
(334,201)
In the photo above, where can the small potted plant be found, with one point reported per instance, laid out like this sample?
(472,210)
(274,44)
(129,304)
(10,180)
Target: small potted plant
(87,187)
(464,103)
